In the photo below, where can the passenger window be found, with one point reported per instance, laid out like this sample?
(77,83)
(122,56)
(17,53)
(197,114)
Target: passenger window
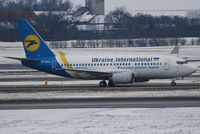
(110,64)
(91,64)
(129,64)
(135,64)
(88,64)
(154,63)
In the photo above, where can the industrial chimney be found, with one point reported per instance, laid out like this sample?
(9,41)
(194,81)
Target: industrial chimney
(95,6)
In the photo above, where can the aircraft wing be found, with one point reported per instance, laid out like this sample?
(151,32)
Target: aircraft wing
(193,60)
(93,73)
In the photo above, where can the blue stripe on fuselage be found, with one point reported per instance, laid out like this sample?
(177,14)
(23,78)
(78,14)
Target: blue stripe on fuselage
(46,65)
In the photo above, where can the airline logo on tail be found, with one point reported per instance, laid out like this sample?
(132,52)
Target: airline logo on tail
(32,43)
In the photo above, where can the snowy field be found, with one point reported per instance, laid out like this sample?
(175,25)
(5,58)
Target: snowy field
(185,51)
(101,121)
(98,121)
(114,93)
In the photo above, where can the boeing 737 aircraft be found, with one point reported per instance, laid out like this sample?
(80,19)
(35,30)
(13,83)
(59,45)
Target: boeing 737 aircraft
(114,69)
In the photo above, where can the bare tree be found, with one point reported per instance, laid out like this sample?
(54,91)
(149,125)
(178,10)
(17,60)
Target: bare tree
(198,41)
(115,16)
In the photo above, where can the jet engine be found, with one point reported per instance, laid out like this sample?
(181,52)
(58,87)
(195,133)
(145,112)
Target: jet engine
(123,78)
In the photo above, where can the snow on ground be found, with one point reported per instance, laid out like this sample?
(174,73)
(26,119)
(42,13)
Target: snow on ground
(101,121)
(97,94)
(160,12)
(185,51)
(80,82)
(71,82)
(110,93)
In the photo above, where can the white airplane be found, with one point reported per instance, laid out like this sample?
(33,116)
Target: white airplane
(116,69)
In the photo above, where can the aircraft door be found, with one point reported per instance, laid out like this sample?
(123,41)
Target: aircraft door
(54,65)
(166,64)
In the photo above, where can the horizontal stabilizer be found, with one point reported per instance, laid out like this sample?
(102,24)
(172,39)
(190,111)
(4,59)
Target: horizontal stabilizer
(23,59)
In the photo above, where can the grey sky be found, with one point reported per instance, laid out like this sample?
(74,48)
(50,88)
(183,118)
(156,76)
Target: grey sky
(149,4)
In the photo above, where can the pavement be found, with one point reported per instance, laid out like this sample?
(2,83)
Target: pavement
(101,103)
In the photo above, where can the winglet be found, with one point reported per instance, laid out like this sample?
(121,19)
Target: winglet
(175,51)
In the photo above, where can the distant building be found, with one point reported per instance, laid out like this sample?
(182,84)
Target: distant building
(95,6)
(13,15)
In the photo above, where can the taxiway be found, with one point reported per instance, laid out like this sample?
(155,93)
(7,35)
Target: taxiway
(101,103)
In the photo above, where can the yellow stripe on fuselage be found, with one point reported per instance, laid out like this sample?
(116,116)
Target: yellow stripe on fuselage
(64,60)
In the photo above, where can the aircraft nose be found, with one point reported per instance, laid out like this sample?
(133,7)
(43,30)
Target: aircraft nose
(193,68)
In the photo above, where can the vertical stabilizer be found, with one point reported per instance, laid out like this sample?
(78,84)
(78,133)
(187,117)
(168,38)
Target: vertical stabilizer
(34,45)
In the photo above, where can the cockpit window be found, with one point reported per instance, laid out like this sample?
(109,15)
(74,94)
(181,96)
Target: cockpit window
(181,62)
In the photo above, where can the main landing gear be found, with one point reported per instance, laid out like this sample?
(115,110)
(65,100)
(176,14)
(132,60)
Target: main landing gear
(173,83)
(110,83)
(104,83)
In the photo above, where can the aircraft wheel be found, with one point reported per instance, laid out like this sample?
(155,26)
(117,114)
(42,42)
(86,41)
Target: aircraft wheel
(111,84)
(102,84)
(173,83)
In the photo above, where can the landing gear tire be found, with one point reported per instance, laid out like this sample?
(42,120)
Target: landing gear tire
(111,84)
(173,83)
(102,84)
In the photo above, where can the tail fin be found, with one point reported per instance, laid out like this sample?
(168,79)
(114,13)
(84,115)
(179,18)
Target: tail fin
(34,45)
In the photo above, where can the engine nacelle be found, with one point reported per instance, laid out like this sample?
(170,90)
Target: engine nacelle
(123,78)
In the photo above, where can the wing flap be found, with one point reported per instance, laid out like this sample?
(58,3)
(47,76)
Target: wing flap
(92,73)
